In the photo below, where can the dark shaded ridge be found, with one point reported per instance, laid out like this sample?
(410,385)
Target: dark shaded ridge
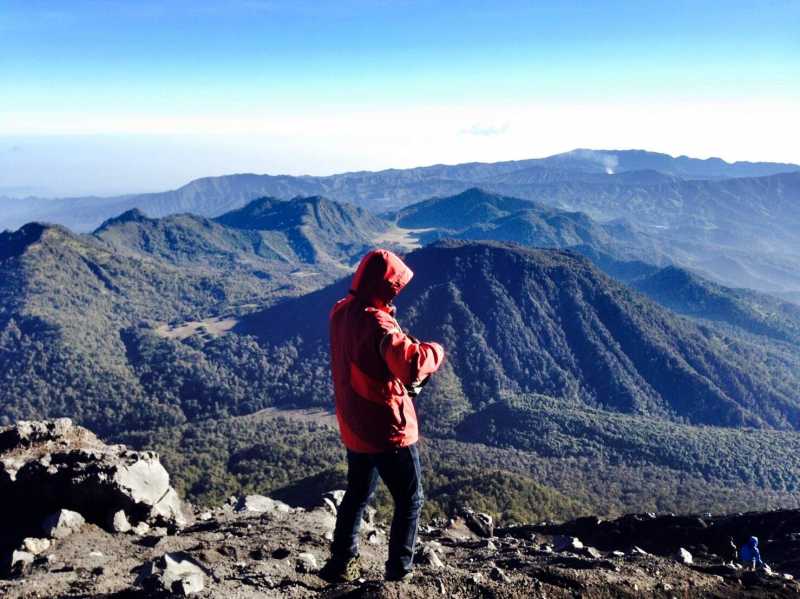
(14,243)
(544,321)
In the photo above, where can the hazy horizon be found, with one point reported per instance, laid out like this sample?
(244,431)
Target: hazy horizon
(25,192)
(113,97)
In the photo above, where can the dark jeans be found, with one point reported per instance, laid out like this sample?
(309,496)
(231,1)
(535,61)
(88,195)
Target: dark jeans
(400,471)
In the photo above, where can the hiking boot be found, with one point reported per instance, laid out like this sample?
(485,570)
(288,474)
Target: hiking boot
(337,570)
(398,575)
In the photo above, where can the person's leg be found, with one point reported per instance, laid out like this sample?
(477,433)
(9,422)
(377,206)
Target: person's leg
(400,470)
(361,480)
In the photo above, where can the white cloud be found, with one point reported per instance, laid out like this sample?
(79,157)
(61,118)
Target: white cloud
(486,129)
(328,141)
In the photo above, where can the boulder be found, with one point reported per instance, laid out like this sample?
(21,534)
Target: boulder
(567,543)
(173,573)
(258,504)
(21,562)
(426,556)
(307,563)
(329,505)
(335,497)
(141,529)
(479,523)
(683,556)
(591,552)
(35,546)
(50,465)
(62,523)
(120,523)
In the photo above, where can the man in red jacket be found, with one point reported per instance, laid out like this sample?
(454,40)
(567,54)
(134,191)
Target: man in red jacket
(377,369)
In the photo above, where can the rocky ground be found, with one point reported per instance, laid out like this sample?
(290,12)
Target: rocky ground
(256,547)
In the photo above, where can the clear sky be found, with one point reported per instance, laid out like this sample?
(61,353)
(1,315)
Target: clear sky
(113,96)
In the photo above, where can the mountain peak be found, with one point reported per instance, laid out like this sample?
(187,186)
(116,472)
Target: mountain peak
(470,207)
(134,215)
(16,243)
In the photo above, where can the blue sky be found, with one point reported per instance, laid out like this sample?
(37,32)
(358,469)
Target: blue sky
(115,96)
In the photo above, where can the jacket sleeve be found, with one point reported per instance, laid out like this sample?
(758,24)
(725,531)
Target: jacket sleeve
(408,359)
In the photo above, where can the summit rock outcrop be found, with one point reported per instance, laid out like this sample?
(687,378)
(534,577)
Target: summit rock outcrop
(54,474)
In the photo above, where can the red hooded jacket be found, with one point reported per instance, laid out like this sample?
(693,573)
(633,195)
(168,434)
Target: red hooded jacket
(374,361)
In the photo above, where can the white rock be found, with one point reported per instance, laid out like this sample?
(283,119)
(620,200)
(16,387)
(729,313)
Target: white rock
(141,529)
(592,552)
(427,556)
(205,516)
(35,546)
(335,496)
(567,543)
(21,559)
(146,482)
(62,524)
(255,504)
(328,503)
(182,576)
(306,563)
(171,509)
(120,522)
(683,556)
(175,573)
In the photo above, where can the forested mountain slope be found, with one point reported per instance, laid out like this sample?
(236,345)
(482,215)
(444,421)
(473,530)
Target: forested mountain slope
(544,321)
(316,229)
(480,215)
(95,327)
(310,231)
(72,309)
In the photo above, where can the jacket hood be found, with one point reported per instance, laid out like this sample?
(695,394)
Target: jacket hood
(380,276)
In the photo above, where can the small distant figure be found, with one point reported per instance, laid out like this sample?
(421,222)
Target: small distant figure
(750,555)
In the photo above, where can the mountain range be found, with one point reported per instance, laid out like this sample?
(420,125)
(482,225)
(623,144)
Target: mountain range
(388,189)
(735,223)
(591,330)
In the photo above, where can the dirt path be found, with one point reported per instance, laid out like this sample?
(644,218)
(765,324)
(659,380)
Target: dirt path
(408,239)
(211,326)
(316,415)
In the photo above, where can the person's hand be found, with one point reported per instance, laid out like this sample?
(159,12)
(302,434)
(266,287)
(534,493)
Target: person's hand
(413,339)
(414,390)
